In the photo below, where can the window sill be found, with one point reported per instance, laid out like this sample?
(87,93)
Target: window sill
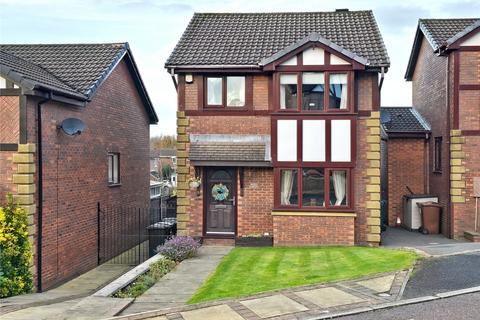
(114,185)
(222,108)
(437,171)
(322,213)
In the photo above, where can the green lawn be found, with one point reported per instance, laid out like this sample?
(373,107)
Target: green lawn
(245,271)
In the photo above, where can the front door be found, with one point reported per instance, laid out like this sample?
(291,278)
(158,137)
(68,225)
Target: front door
(220,194)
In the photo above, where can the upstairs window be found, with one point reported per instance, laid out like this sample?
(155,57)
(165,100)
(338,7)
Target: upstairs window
(288,91)
(338,93)
(225,91)
(306,91)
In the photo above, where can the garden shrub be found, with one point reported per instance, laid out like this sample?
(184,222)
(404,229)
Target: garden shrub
(15,251)
(161,267)
(179,248)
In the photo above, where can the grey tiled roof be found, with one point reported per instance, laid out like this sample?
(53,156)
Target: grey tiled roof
(403,120)
(248,38)
(74,68)
(441,32)
(227,151)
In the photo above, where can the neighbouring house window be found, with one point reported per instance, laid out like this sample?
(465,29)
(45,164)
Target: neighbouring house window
(313,90)
(437,160)
(338,91)
(338,187)
(311,187)
(113,168)
(288,187)
(313,193)
(312,86)
(154,192)
(288,91)
(226,91)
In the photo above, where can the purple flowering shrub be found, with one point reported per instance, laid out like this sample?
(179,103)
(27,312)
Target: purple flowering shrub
(179,248)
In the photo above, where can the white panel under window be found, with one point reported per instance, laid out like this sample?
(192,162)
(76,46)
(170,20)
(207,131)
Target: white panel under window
(314,56)
(341,141)
(337,60)
(290,62)
(313,140)
(3,83)
(287,140)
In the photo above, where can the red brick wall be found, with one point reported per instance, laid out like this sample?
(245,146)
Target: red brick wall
(312,231)
(9,119)
(7,169)
(230,125)
(406,167)
(256,204)
(75,172)
(429,98)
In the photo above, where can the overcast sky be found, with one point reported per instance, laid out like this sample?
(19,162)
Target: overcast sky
(152,27)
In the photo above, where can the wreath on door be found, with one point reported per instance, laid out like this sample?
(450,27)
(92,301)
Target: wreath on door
(220,192)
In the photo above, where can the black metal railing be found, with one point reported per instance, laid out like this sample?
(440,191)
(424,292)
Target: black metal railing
(130,235)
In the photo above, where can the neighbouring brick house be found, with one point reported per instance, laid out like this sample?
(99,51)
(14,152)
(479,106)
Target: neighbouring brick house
(161,158)
(444,69)
(57,178)
(275,155)
(404,153)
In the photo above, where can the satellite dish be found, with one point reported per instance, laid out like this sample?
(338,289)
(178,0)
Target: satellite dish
(72,126)
(385,117)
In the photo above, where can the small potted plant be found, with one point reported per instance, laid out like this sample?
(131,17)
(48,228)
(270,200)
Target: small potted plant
(195,182)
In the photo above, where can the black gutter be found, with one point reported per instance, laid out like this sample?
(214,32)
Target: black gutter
(40,192)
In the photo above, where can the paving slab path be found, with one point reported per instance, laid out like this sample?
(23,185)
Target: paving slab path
(293,303)
(175,288)
(46,304)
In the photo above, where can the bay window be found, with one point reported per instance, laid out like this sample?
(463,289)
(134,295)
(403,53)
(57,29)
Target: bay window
(313,157)
(226,91)
(313,187)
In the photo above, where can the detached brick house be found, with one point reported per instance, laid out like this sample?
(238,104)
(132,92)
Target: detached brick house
(58,178)
(278,118)
(444,68)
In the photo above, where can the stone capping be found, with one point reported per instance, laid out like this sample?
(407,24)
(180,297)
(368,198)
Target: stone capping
(314,214)
(457,167)
(373,173)
(127,278)
(183,170)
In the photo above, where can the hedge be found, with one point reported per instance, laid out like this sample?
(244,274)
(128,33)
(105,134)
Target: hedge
(15,251)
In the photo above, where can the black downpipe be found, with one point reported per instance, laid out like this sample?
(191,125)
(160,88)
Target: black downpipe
(40,192)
